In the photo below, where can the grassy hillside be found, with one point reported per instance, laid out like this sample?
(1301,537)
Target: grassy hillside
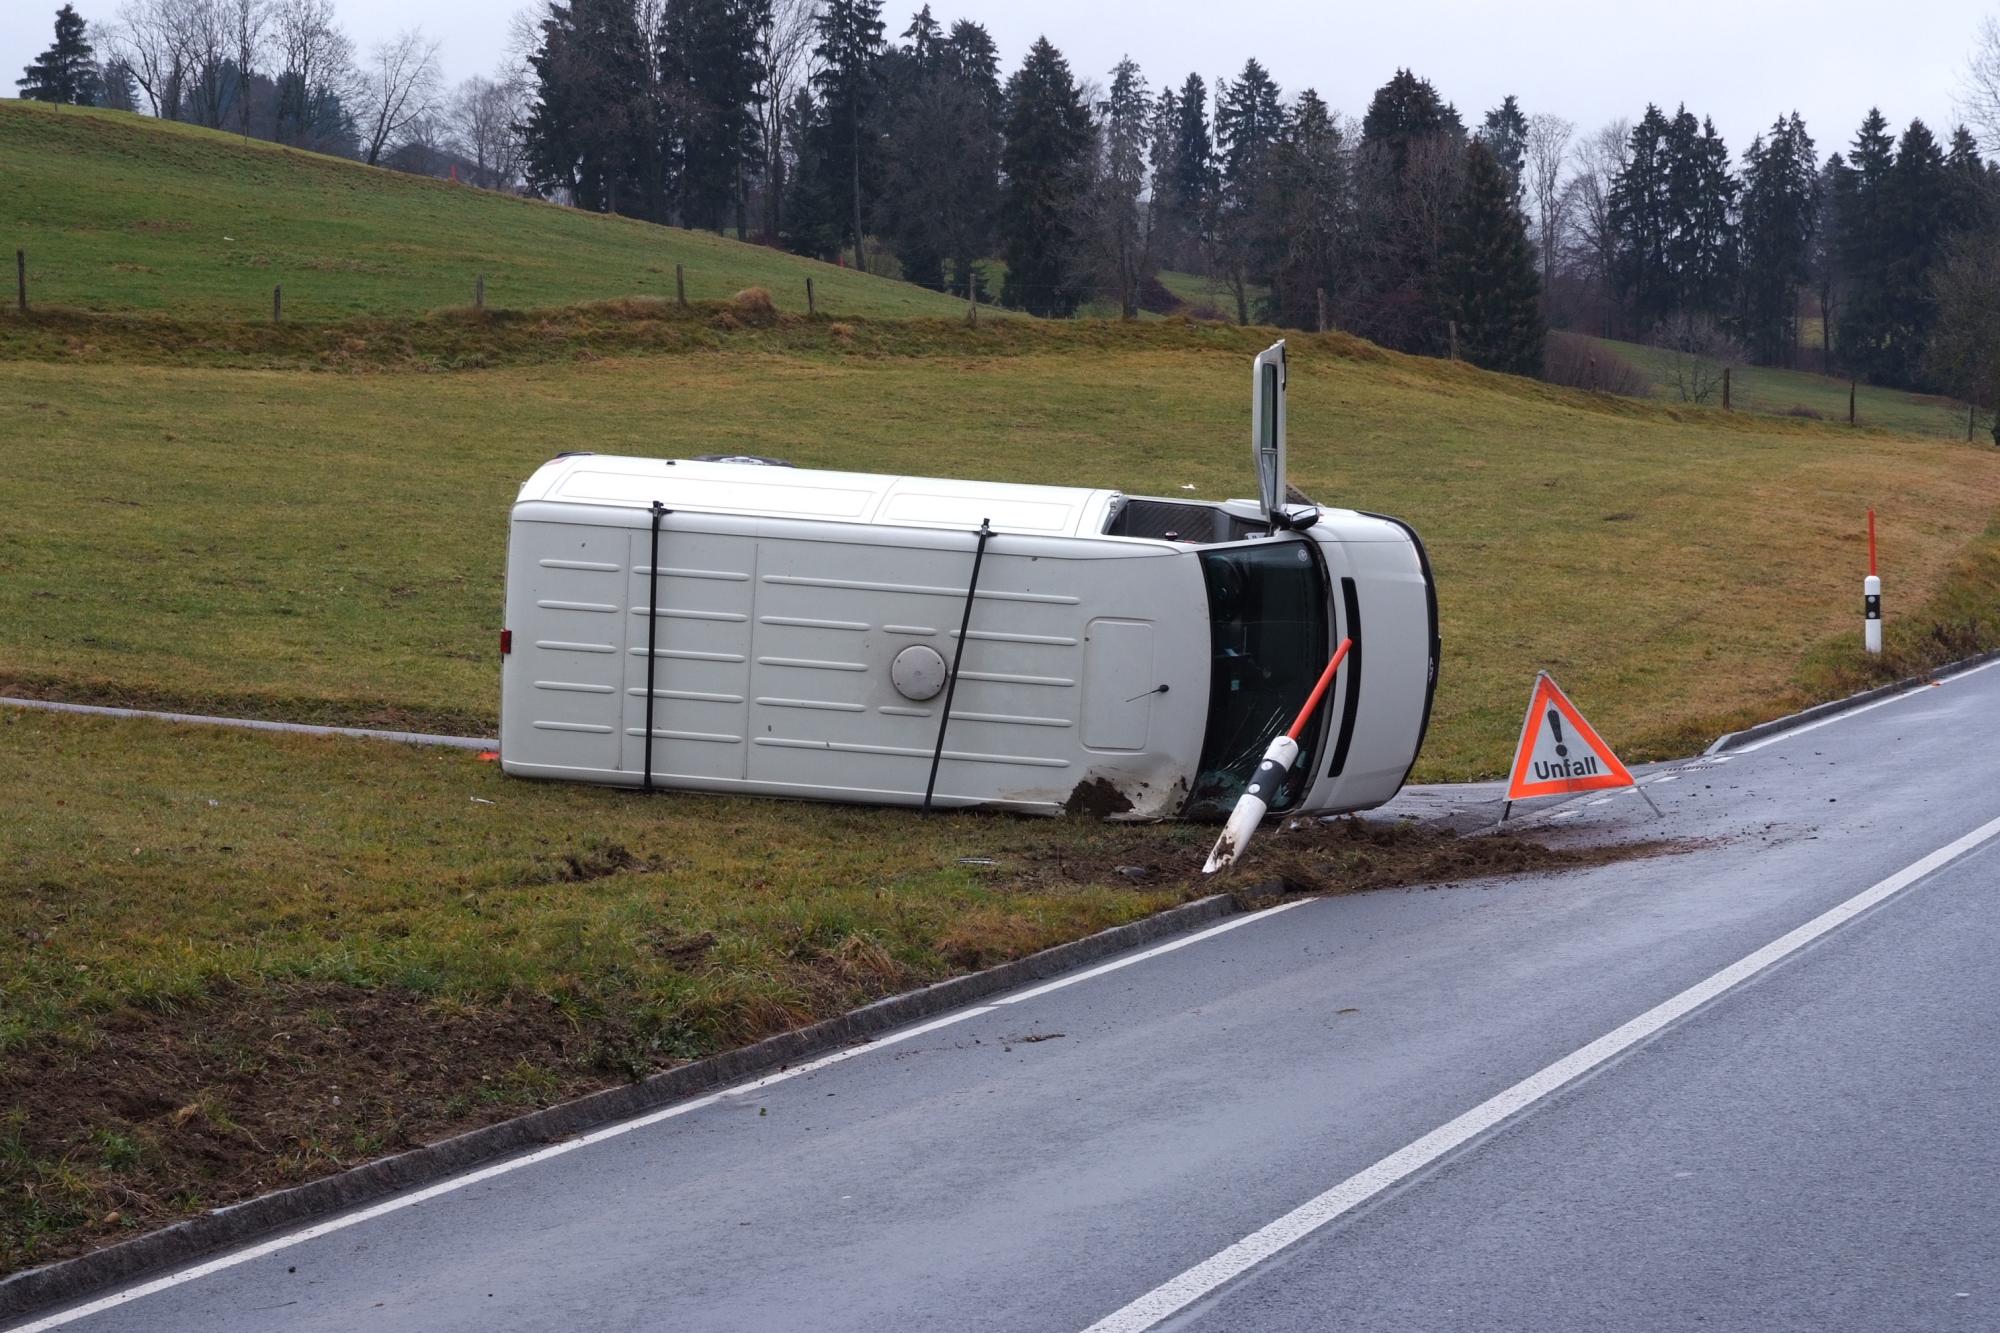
(1809,396)
(121,212)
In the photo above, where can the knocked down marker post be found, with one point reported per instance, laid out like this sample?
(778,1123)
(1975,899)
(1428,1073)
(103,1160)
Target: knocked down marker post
(1250,808)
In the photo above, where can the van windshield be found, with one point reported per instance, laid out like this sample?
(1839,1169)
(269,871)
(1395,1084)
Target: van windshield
(1268,642)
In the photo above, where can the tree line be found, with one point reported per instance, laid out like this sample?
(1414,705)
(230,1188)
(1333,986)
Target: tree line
(804,124)
(286,71)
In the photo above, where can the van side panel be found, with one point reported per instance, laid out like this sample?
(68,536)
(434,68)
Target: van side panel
(774,642)
(701,644)
(566,594)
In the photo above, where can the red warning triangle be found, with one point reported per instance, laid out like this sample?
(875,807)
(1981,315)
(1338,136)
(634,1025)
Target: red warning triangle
(1560,754)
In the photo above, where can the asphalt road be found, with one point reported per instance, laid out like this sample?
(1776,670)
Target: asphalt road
(1813,1147)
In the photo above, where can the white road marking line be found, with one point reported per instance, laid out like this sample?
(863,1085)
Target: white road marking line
(1154,952)
(401,1201)
(1602,800)
(1176,1294)
(1664,777)
(1754,746)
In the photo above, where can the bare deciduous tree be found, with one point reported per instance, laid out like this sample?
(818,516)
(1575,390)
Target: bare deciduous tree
(1599,159)
(315,75)
(248,20)
(485,117)
(1963,350)
(206,43)
(1700,353)
(151,38)
(399,86)
(1979,85)
(785,52)
(1548,152)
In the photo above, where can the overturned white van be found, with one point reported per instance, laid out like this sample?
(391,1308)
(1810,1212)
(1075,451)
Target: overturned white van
(720,626)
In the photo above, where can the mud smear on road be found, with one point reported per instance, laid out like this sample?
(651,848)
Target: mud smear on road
(1330,857)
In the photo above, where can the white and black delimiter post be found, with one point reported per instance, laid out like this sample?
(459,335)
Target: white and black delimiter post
(1871,598)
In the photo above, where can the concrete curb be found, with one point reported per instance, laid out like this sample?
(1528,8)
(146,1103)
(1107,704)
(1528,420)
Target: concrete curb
(257,724)
(1736,739)
(43,1290)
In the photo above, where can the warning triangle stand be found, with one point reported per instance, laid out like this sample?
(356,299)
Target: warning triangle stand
(1560,754)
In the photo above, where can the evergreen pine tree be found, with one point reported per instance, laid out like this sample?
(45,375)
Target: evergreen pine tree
(1048,134)
(1506,135)
(814,220)
(1863,247)
(710,94)
(849,84)
(1917,221)
(941,150)
(1405,112)
(1491,287)
(118,87)
(1708,214)
(1249,122)
(590,130)
(1408,180)
(1315,214)
(65,72)
(1969,185)
(1642,272)
(1191,173)
(1126,114)
(1780,215)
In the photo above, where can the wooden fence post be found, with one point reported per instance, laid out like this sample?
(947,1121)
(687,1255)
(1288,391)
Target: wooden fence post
(1452,327)
(812,304)
(1850,400)
(479,292)
(1322,310)
(277,304)
(972,301)
(1725,388)
(1971,412)
(680,285)
(21,279)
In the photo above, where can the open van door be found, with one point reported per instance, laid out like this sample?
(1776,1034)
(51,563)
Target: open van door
(1267,431)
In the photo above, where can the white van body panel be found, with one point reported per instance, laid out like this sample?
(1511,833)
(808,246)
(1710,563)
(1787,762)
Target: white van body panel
(784,596)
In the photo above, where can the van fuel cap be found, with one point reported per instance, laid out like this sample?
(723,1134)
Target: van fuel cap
(918,672)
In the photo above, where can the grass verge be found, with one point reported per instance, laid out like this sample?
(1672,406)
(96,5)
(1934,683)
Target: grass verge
(231,962)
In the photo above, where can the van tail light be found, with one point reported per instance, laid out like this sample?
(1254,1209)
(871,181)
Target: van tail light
(506,642)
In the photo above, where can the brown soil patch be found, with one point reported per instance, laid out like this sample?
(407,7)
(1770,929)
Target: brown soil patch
(165,1113)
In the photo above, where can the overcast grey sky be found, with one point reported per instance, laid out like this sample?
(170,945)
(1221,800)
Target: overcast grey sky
(1744,62)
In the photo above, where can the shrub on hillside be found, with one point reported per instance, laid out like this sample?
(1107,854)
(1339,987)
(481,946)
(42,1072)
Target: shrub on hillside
(1699,353)
(1155,296)
(1577,362)
(753,305)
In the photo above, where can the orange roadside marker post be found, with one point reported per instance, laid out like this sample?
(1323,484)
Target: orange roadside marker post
(1560,754)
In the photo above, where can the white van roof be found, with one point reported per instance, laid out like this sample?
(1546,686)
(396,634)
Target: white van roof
(829,497)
